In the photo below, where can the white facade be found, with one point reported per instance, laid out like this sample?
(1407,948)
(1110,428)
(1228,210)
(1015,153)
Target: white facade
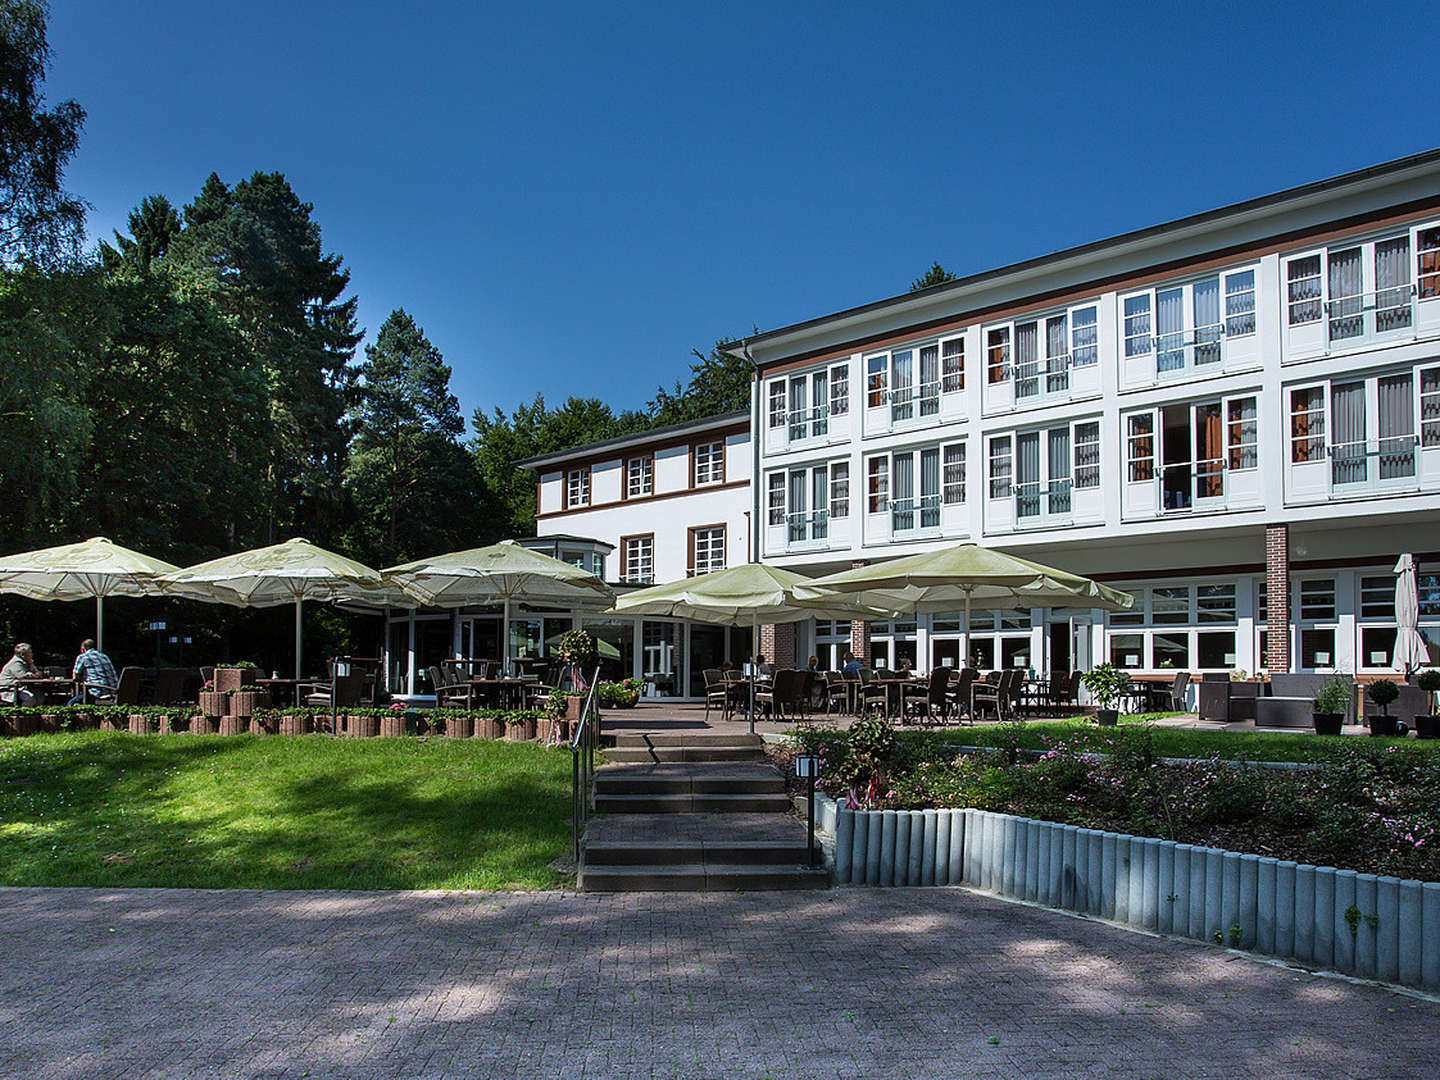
(1171,393)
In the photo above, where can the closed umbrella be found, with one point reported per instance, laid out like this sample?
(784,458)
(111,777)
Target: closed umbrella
(751,594)
(964,576)
(502,573)
(288,573)
(92,569)
(1411,651)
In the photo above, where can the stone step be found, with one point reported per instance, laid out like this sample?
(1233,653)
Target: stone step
(713,752)
(607,878)
(690,738)
(697,853)
(701,778)
(691,802)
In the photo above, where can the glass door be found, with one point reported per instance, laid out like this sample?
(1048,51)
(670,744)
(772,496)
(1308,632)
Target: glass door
(1027,475)
(1057,494)
(902,493)
(1397,427)
(819,499)
(1209,452)
(799,532)
(1170,330)
(1348,461)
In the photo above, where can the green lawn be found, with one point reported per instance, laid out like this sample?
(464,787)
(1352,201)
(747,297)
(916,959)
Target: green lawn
(281,813)
(1170,742)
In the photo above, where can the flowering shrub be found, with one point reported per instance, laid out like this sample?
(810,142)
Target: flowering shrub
(620,695)
(1370,808)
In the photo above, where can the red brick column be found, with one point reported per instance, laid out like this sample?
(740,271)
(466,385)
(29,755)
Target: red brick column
(777,644)
(1277,599)
(860,629)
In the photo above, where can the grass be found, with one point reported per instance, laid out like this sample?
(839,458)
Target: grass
(115,810)
(1170,742)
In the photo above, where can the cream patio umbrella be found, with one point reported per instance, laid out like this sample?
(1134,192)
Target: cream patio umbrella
(92,569)
(502,573)
(1410,649)
(963,576)
(288,573)
(750,595)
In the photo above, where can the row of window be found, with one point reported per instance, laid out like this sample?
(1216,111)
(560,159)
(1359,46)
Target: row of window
(1357,290)
(1337,419)
(707,468)
(706,553)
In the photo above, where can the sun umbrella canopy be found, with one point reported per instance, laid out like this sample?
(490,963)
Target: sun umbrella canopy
(746,595)
(92,569)
(1411,651)
(500,572)
(964,575)
(288,573)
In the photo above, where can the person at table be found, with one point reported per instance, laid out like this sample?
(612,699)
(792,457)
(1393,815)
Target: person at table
(814,663)
(21,666)
(851,667)
(94,673)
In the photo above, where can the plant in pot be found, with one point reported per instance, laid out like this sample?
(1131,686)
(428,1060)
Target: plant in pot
(577,651)
(298,720)
(1428,726)
(1106,684)
(1383,692)
(1330,706)
(231,677)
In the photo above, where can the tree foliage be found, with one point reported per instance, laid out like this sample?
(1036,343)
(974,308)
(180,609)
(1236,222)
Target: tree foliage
(719,383)
(40,221)
(936,275)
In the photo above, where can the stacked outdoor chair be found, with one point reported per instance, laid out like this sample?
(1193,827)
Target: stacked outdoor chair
(958,694)
(998,697)
(930,699)
(449,692)
(781,694)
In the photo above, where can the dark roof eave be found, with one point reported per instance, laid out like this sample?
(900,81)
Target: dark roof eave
(705,423)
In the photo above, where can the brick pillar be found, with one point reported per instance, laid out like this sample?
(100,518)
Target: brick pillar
(766,645)
(860,629)
(1277,599)
(780,644)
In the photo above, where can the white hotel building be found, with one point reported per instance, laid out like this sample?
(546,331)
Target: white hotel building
(1234,416)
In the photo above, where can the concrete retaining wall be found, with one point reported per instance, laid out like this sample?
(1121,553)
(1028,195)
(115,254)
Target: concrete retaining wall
(1368,925)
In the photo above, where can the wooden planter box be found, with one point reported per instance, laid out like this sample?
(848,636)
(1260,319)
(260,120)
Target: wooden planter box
(214,703)
(362,727)
(234,725)
(292,724)
(392,725)
(16,722)
(233,678)
(50,722)
(459,727)
(201,724)
(245,702)
(525,731)
(139,724)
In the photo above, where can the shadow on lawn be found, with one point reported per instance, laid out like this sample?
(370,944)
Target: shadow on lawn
(307,813)
(933,982)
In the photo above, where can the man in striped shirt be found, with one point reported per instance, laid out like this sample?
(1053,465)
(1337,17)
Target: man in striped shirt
(94,675)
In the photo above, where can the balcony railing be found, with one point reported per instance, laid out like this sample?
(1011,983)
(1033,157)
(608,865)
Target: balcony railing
(908,515)
(1363,317)
(1042,377)
(1357,467)
(1187,485)
(807,527)
(811,423)
(1051,504)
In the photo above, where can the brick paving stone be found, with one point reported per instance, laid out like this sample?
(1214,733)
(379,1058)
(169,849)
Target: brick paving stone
(912,983)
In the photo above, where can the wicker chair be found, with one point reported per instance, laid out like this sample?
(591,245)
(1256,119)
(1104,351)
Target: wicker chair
(930,699)
(717,693)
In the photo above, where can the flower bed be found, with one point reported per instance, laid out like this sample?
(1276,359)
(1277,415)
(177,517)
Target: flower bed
(1373,809)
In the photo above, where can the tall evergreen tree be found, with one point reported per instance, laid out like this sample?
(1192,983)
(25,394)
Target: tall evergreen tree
(39,220)
(414,486)
(261,248)
(936,275)
(153,225)
(719,383)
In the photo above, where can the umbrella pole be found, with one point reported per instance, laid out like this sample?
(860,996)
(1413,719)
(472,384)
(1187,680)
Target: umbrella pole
(505,639)
(298,602)
(965,660)
(100,622)
(754,640)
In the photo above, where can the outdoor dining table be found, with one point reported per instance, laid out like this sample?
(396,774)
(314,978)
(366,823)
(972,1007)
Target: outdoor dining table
(896,683)
(282,691)
(503,693)
(43,686)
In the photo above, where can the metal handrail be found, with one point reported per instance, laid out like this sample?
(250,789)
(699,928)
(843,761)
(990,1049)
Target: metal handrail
(582,764)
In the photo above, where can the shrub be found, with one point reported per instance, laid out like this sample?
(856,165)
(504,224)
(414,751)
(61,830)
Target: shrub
(1334,696)
(1383,692)
(1106,683)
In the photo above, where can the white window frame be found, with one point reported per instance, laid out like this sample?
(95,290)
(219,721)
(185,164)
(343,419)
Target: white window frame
(1193,347)
(640,550)
(640,481)
(712,556)
(778,410)
(1376,312)
(577,487)
(1051,378)
(709,463)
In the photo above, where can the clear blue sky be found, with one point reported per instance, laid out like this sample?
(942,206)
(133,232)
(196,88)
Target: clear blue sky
(568,197)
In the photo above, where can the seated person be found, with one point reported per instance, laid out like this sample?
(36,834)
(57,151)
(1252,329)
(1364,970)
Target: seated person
(20,666)
(94,673)
(814,664)
(852,666)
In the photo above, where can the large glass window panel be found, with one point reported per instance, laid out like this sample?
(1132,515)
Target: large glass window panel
(954,478)
(929,380)
(1377,646)
(1427,263)
(1027,474)
(1397,426)
(799,413)
(1347,301)
(1000,467)
(1317,648)
(1307,425)
(1317,599)
(930,489)
(819,497)
(1171,650)
(876,377)
(997,354)
(1140,442)
(1027,360)
(820,398)
(1013,618)
(1242,434)
(1015,652)
(1348,459)
(1057,358)
(1377,597)
(1057,493)
(1127,650)
(1215,649)
(902,469)
(1205,295)
(840,489)
(1209,451)
(1137,325)
(1135,616)
(799,517)
(1392,284)
(982,653)
(952,365)
(1215,603)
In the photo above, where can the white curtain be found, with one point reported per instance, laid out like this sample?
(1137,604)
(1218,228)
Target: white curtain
(1170,329)
(1347,402)
(1392,284)
(1397,426)
(1345,299)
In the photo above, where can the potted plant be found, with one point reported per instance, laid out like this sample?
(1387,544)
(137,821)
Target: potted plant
(392,721)
(231,677)
(1106,684)
(1330,706)
(1428,726)
(1383,692)
(577,651)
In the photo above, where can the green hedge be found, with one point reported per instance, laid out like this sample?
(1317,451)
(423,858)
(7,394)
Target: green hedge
(89,716)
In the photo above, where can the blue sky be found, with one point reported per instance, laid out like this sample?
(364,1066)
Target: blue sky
(568,197)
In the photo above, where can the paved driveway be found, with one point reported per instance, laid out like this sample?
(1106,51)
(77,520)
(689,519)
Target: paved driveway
(851,983)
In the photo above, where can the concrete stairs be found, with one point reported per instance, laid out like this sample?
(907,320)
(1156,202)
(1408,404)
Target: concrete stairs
(690,813)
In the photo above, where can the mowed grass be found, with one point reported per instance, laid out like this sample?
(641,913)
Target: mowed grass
(1175,742)
(105,809)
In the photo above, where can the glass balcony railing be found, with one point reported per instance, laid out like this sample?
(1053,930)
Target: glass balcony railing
(1044,504)
(909,514)
(1361,466)
(1041,378)
(1364,317)
(807,527)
